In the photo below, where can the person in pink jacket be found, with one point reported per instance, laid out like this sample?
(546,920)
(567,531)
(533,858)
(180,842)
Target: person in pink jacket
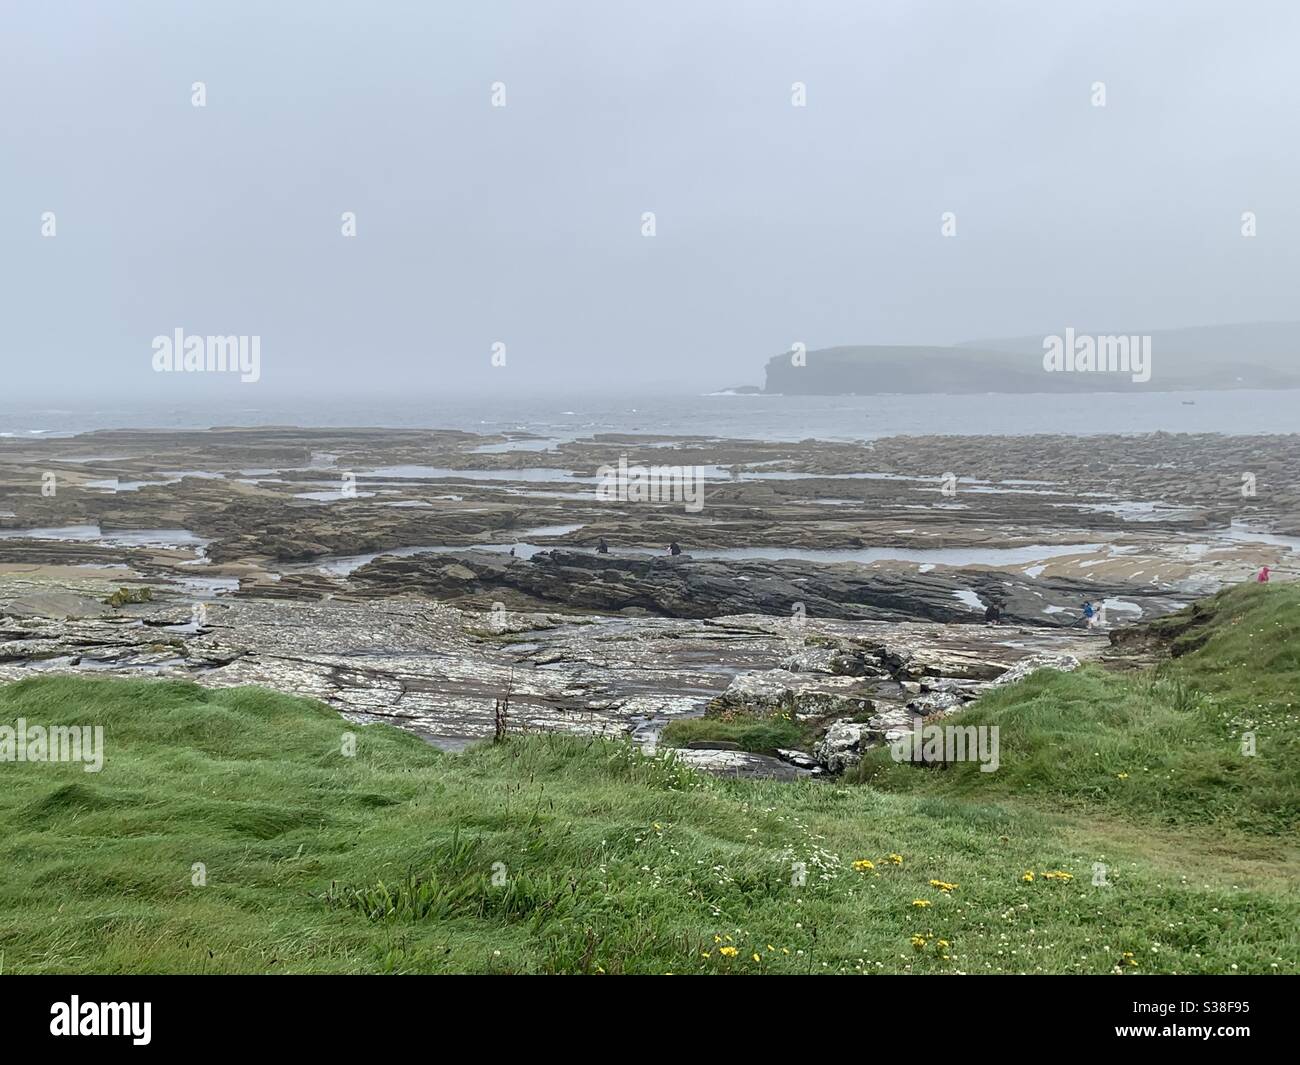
(1263,575)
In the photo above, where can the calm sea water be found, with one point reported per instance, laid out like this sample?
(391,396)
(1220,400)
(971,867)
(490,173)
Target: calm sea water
(752,417)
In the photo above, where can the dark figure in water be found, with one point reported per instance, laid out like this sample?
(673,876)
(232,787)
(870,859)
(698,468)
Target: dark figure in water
(602,548)
(993,614)
(674,549)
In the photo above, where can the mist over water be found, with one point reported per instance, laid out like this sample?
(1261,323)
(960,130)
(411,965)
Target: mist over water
(755,416)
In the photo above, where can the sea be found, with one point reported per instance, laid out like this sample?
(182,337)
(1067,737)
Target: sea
(738,416)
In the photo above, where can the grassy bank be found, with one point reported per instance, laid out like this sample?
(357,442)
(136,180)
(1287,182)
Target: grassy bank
(759,733)
(1163,747)
(556,854)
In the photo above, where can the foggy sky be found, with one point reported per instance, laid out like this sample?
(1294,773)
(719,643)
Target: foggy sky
(522,224)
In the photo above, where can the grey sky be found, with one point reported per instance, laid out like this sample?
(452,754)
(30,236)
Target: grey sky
(522,224)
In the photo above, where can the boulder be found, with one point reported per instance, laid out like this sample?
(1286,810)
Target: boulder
(949,662)
(892,717)
(770,689)
(966,688)
(736,764)
(935,703)
(856,664)
(842,745)
(811,660)
(781,691)
(799,759)
(1026,666)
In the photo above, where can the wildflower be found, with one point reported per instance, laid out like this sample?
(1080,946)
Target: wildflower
(862,865)
(944,944)
(1058,874)
(1028,878)
(717,939)
(1123,776)
(756,956)
(942,886)
(921,904)
(896,859)
(918,942)
(728,952)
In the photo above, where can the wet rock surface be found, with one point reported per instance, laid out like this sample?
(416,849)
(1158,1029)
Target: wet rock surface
(739,764)
(684,586)
(436,670)
(842,583)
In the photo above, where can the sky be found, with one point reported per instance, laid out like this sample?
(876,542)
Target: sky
(523,225)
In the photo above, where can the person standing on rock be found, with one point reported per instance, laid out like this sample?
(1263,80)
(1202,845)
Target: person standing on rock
(1089,615)
(993,614)
(602,548)
(1262,577)
(674,548)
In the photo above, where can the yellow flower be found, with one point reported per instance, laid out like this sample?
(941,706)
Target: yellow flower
(1058,874)
(942,886)
(1123,776)
(944,944)
(897,859)
(1028,878)
(717,939)
(706,954)
(862,865)
(756,957)
(921,904)
(918,942)
(728,952)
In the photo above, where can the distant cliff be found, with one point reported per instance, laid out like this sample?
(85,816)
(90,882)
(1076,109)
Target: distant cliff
(1254,355)
(871,369)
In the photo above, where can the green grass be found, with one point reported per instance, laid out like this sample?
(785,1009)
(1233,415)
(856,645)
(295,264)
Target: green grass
(761,734)
(1164,747)
(561,854)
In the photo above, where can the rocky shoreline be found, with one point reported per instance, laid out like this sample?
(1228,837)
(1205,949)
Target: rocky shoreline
(436,670)
(686,587)
(373,568)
